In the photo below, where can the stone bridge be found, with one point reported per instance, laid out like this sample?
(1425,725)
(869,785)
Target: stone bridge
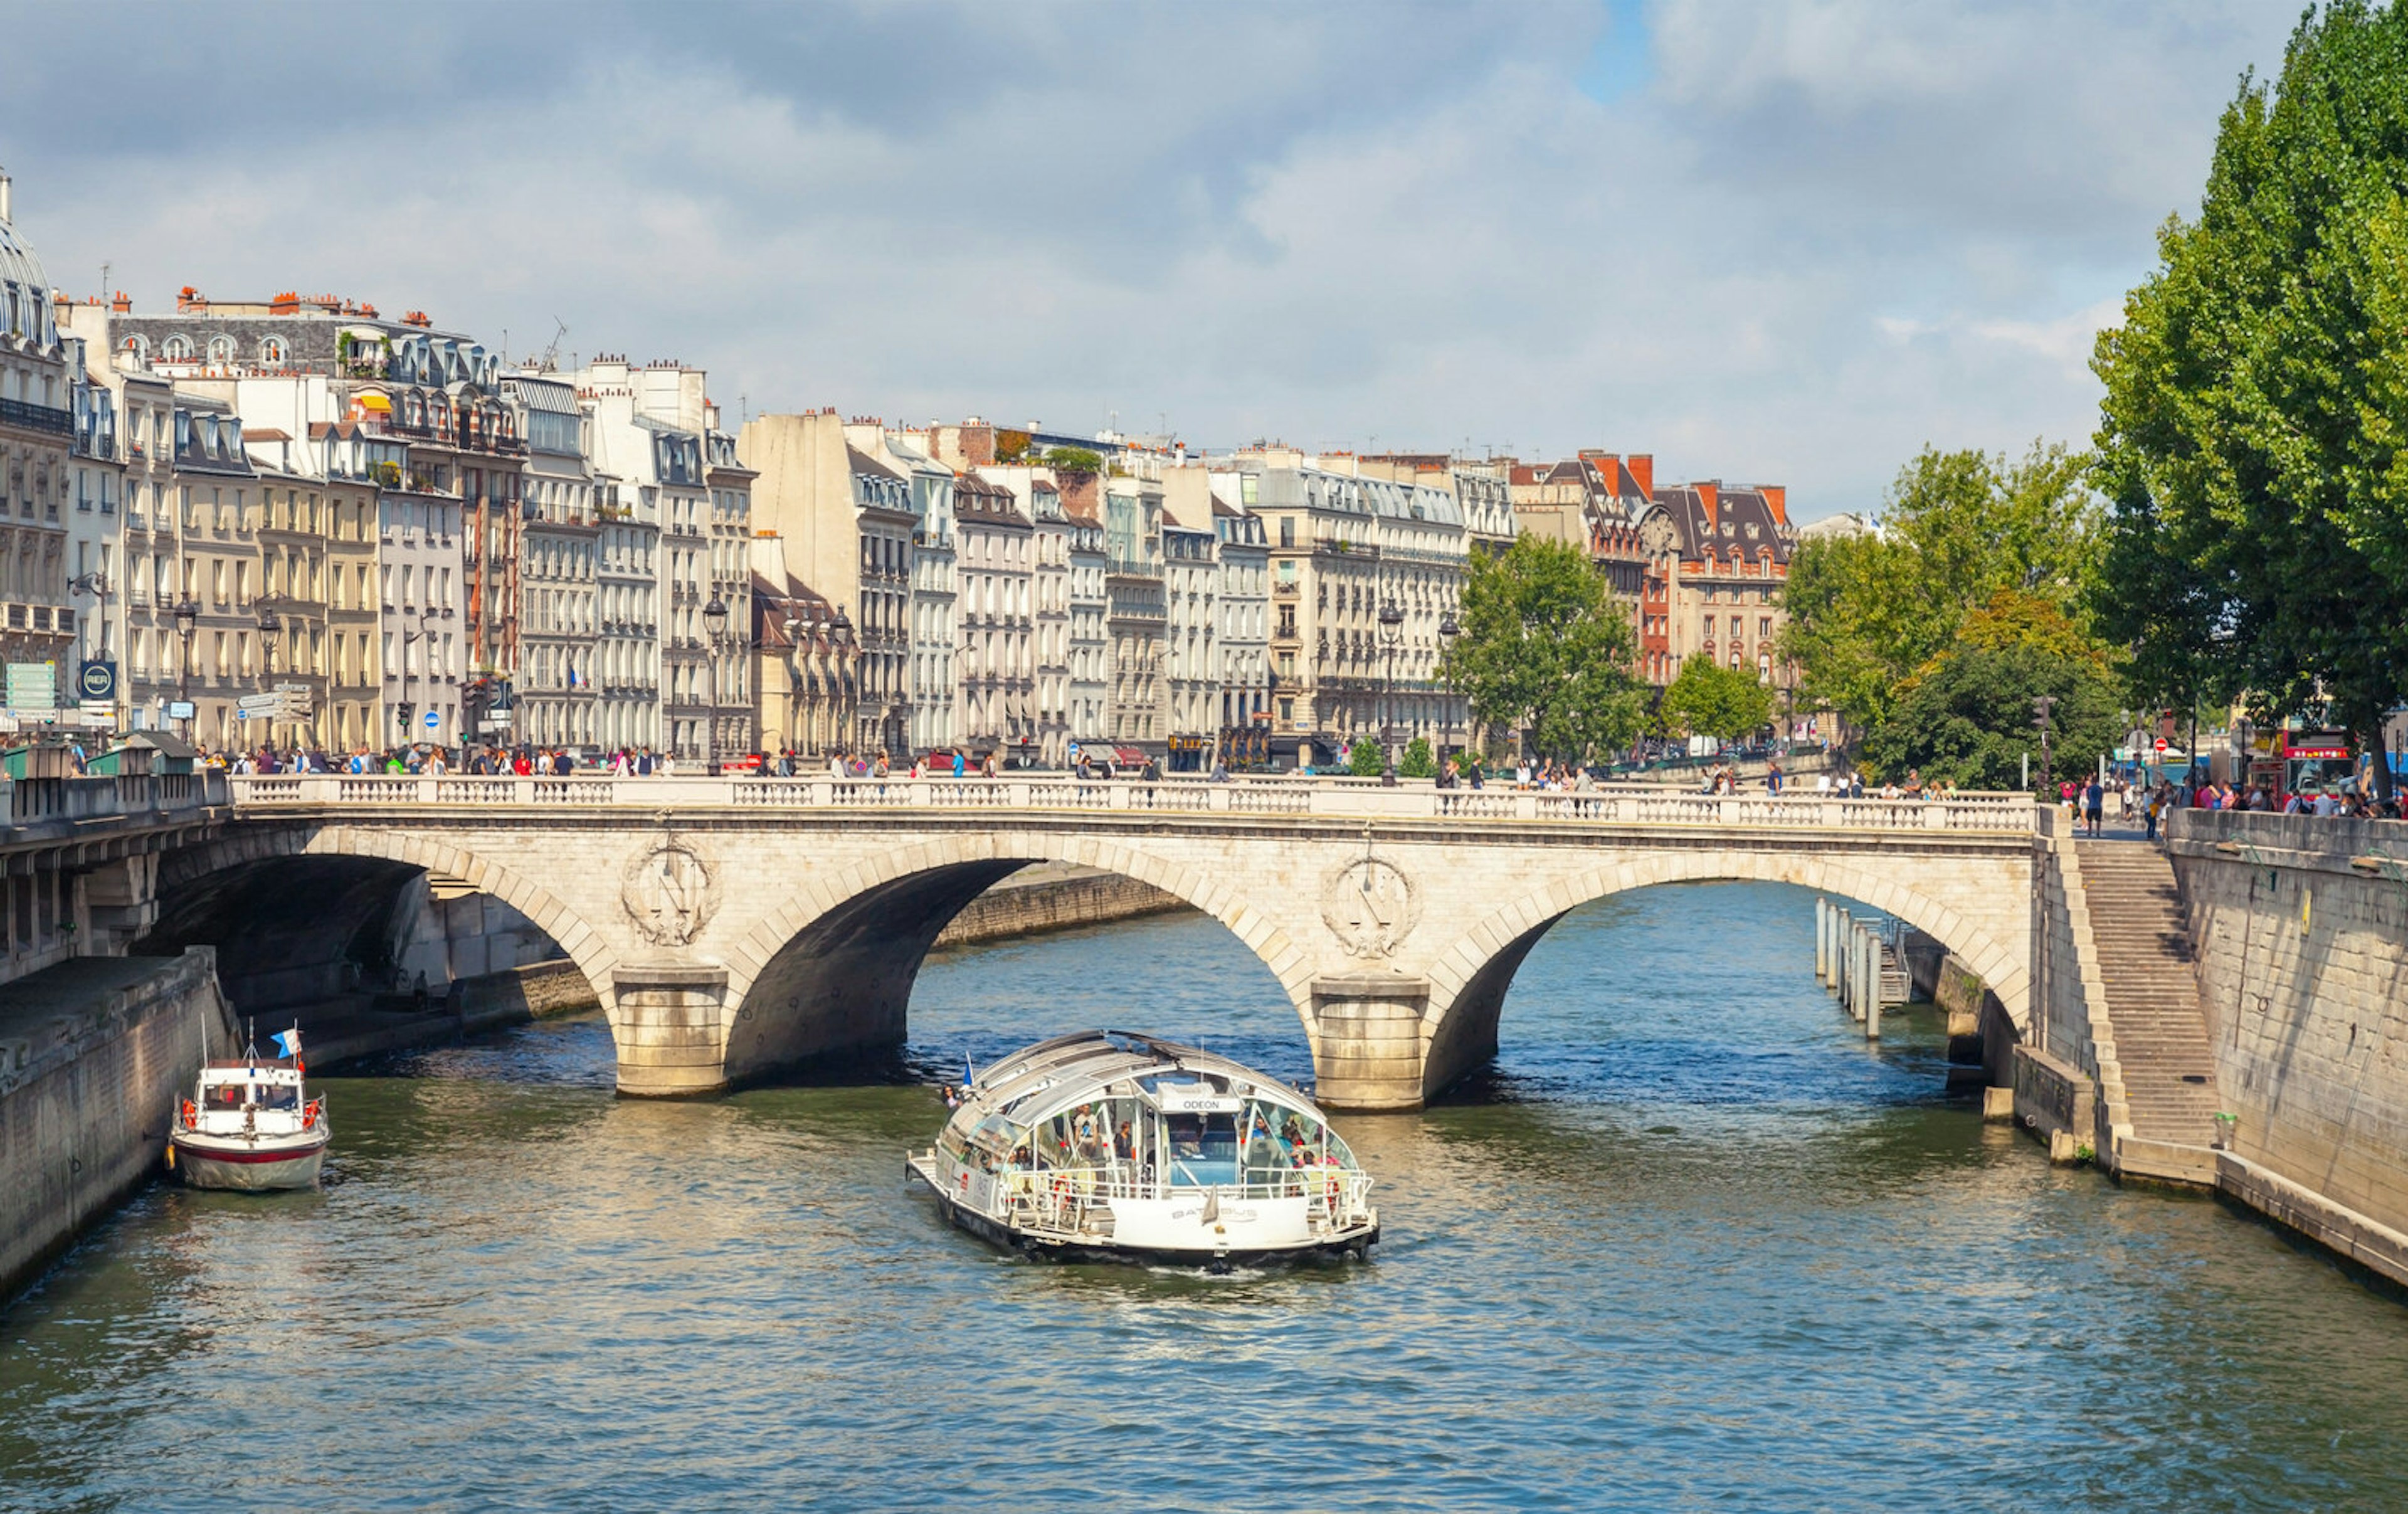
(735,927)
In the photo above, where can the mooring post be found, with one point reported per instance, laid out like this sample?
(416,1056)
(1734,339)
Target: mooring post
(1840,973)
(1822,938)
(1872,986)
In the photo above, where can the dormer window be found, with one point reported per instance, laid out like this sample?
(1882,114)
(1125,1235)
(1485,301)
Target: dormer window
(1751,532)
(175,349)
(220,349)
(271,351)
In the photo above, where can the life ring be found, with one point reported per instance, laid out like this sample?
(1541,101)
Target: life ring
(192,1119)
(310,1116)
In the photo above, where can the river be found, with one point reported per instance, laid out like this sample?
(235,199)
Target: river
(1693,1245)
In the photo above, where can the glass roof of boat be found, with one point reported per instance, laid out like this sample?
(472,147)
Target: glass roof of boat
(1032,1083)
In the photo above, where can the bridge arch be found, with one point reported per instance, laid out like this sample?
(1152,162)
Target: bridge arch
(405,852)
(1468,981)
(830,971)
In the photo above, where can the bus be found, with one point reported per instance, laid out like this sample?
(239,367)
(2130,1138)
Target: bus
(2306,762)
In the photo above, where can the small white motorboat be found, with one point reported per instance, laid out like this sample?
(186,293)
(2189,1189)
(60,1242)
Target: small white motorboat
(251,1124)
(1107,1145)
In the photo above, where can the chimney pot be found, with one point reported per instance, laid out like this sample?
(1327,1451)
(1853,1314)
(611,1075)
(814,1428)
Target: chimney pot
(3,194)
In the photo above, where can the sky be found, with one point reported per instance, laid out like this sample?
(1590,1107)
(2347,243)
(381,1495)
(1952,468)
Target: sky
(1783,241)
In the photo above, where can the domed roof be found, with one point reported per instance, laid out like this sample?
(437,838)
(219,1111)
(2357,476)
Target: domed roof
(18,265)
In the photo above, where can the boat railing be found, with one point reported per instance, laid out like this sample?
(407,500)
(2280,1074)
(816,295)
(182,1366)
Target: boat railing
(1055,1198)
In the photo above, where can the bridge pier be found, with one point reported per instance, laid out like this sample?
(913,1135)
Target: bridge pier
(669,1029)
(1368,1054)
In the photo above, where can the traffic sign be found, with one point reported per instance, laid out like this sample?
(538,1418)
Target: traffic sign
(259,703)
(432,719)
(98,681)
(2160,744)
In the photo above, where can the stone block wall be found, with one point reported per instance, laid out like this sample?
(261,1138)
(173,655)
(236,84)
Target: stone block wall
(1054,897)
(93,1054)
(2301,930)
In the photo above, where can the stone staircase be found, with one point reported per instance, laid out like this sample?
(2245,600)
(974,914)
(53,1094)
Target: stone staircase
(2161,1038)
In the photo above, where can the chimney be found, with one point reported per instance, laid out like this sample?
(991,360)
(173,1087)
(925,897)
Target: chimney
(3,194)
(1643,471)
(123,304)
(1777,496)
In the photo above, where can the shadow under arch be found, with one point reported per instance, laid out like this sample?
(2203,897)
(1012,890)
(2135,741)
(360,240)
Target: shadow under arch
(218,893)
(837,964)
(1460,1027)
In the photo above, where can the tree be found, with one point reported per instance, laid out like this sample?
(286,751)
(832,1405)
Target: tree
(2251,439)
(1073,460)
(1955,529)
(1706,699)
(1547,650)
(1366,760)
(1969,721)
(1419,761)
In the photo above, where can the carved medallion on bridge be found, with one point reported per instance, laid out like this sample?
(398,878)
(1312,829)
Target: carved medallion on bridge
(1370,906)
(669,893)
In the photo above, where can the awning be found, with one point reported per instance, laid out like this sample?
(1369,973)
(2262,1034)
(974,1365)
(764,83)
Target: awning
(1129,756)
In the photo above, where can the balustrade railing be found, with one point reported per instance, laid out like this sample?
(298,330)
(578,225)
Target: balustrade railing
(1611,804)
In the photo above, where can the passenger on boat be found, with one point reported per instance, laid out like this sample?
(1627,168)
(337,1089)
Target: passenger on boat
(1124,1143)
(225,1096)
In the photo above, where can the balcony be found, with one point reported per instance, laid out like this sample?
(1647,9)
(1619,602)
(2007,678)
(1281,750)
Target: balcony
(37,417)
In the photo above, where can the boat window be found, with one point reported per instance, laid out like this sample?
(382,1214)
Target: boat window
(222,1096)
(280,1096)
(1203,1149)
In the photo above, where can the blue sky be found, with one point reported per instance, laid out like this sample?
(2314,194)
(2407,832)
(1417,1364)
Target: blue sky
(1779,242)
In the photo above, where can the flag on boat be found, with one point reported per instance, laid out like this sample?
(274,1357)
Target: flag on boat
(969,1074)
(288,1043)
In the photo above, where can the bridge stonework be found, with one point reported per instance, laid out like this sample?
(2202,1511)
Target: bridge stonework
(733,928)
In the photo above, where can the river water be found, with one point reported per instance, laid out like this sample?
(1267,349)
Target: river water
(1692,1245)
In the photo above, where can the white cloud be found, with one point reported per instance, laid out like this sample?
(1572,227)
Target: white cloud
(1819,235)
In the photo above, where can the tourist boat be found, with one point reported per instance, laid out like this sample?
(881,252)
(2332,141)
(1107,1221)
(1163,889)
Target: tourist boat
(249,1124)
(1106,1145)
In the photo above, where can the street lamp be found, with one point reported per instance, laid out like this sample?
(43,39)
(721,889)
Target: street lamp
(1392,632)
(186,612)
(2041,708)
(1447,632)
(96,585)
(714,621)
(842,638)
(268,627)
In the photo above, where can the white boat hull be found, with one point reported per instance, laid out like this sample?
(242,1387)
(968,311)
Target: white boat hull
(253,1167)
(1194,1226)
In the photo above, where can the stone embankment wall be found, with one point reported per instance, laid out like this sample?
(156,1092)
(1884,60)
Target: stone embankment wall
(2054,1070)
(93,1054)
(1054,897)
(2301,930)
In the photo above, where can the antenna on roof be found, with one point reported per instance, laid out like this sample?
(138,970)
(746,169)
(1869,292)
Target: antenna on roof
(551,363)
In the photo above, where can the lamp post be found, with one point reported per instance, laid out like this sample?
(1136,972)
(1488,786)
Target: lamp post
(840,639)
(2041,708)
(1447,632)
(268,627)
(96,585)
(1392,634)
(714,622)
(186,612)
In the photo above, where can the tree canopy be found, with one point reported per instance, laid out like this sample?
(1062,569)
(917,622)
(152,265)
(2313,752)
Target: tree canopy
(1547,650)
(1073,460)
(1955,529)
(2251,439)
(1706,699)
(1966,716)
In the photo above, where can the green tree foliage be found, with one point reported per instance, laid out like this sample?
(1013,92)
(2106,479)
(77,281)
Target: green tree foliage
(1547,650)
(1418,761)
(1706,699)
(1365,759)
(1072,460)
(1955,529)
(2251,439)
(1969,721)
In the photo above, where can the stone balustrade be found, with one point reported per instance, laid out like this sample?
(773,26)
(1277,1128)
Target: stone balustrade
(1625,804)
